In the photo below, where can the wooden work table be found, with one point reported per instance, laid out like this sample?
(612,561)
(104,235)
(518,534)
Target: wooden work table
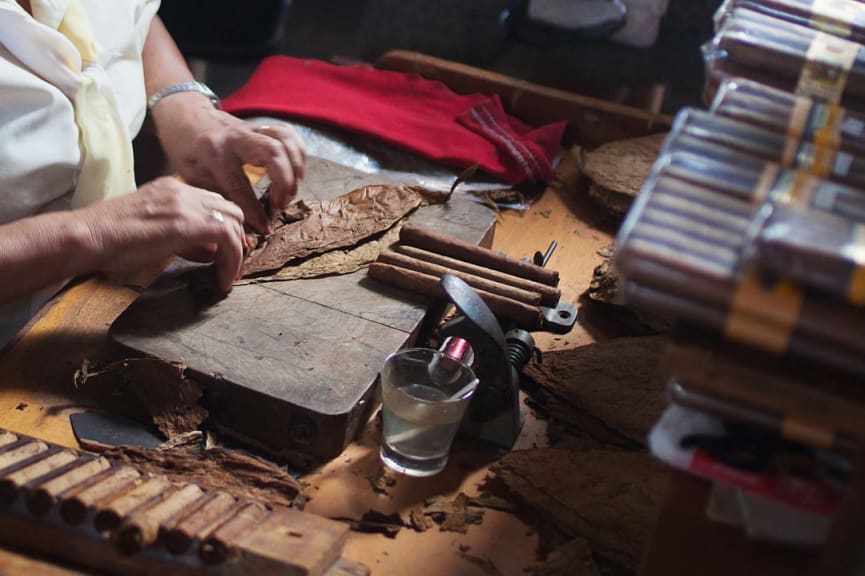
(37,395)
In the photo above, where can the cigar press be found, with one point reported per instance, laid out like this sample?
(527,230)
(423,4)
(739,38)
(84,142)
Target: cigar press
(494,414)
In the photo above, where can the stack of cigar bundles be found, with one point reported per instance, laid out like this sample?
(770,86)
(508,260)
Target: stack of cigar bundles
(750,233)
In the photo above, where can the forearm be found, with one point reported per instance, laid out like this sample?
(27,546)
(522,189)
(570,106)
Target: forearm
(165,66)
(43,250)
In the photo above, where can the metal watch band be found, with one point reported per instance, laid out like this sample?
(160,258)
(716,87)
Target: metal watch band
(183,87)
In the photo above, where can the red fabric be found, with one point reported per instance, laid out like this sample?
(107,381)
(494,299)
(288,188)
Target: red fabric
(405,110)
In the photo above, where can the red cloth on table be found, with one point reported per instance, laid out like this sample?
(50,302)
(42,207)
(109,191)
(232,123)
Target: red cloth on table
(405,110)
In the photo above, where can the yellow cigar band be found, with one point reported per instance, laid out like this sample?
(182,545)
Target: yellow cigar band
(835,16)
(764,316)
(765,184)
(810,434)
(829,134)
(810,158)
(855,251)
(794,188)
(823,160)
(827,66)
(799,118)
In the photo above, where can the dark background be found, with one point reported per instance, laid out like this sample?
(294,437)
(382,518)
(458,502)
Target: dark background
(232,36)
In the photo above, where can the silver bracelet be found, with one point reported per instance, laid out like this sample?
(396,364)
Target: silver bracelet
(183,87)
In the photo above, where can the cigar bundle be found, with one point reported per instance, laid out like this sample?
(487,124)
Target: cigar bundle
(843,18)
(798,59)
(722,253)
(797,117)
(113,518)
(699,130)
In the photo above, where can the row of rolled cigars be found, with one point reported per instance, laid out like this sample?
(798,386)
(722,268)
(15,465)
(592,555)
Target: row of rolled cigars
(750,234)
(513,289)
(111,517)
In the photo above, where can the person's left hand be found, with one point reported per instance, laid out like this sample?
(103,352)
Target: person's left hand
(208,148)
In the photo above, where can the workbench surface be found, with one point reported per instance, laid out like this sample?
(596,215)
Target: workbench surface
(37,396)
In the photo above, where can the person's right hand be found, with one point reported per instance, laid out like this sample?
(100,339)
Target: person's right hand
(163,218)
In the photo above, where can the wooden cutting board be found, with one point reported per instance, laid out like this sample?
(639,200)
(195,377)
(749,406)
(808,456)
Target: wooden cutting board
(291,366)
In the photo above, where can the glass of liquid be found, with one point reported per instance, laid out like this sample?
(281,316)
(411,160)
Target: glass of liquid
(424,397)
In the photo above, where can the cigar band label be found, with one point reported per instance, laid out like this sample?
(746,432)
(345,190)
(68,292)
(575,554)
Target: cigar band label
(854,251)
(800,118)
(793,188)
(765,184)
(824,125)
(763,315)
(827,66)
(799,431)
(816,160)
(835,16)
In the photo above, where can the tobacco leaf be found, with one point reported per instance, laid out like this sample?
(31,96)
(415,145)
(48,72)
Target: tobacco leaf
(619,383)
(604,289)
(609,498)
(571,559)
(308,228)
(622,166)
(168,394)
(453,515)
(215,469)
(333,262)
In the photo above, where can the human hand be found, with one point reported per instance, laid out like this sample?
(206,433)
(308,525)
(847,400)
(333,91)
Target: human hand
(163,218)
(208,148)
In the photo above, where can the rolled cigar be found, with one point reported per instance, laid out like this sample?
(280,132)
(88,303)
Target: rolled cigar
(491,286)
(767,146)
(219,545)
(528,317)
(103,487)
(151,490)
(11,483)
(18,452)
(550,295)
(843,18)
(456,248)
(43,496)
(194,526)
(782,55)
(141,528)
(797,117)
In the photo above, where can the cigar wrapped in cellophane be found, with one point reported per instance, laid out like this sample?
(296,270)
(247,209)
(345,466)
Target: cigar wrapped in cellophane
(798,59)
(796,117)
(696,253)
(698,129)
(843,18)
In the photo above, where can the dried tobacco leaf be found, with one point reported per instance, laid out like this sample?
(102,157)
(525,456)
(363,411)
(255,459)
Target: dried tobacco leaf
(336,224)
(619,382)
(610,498)
(216,469)
(169,395)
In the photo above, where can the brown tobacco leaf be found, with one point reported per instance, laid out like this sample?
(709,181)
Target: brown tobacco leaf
(610,498)
(619,383)
(215,469)
(315,227)
(571,559)
(619,168)
(170,397)
(333,262)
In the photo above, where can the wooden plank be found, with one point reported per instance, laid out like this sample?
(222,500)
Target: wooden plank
(590,121)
